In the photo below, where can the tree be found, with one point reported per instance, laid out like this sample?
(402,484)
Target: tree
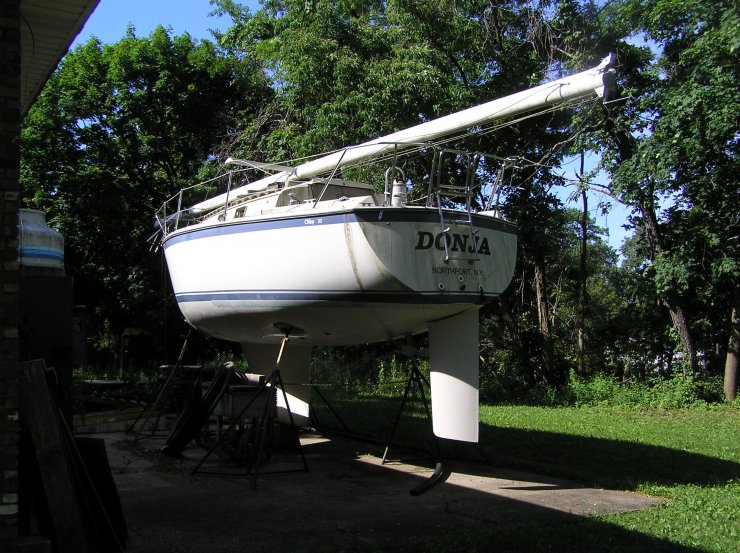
(675,159)
(350,71)
(733,351)
(117,130)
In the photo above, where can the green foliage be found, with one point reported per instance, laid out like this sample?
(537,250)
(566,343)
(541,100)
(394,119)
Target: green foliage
(217,360)
(679,167)
(670,147)
(118,129)
(392,377)
(350,71)
(674,393)
(370,370)
(677,392)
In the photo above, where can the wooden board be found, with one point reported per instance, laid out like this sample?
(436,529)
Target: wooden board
(40,416)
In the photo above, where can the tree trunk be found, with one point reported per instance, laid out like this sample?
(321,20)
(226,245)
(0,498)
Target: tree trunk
(732,350)
(583,276)
(543,314)
(671,296)
(506,312)
(681,324)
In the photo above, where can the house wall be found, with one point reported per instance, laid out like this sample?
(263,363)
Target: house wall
(10,65)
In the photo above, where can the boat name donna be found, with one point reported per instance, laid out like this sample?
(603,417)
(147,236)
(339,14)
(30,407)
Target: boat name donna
(455,242)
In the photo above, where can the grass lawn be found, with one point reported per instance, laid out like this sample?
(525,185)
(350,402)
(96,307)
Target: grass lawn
(690,457)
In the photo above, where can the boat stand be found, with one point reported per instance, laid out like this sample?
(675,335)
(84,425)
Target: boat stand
(418,381)
(164,392)
(272,384)
(315,417)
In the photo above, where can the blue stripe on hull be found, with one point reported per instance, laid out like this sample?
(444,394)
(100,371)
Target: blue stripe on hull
(256,226)
(374,215)
(430,298)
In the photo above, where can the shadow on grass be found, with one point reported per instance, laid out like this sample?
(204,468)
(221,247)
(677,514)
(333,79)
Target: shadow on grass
(603,462)
(592,461)
(574,535)
(588,461)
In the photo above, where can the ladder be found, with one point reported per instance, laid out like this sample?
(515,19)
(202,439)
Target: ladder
(443,193)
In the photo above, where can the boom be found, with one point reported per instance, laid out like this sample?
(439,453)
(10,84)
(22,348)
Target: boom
(567,88)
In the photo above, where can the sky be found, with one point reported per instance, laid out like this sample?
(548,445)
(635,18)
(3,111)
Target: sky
(617,214)
(111,18)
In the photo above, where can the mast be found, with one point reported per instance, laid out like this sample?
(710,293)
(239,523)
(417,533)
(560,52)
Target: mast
(580,84)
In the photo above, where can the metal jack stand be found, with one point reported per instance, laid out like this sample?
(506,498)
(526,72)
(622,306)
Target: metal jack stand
(152,407)
(315,417)
(271,385)
(419,381)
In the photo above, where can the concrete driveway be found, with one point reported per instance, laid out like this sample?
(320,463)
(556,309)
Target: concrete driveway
(347,501)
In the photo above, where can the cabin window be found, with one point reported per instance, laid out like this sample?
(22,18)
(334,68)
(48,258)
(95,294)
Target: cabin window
(336,192)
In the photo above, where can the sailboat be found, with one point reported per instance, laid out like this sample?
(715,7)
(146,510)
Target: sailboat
(307,254)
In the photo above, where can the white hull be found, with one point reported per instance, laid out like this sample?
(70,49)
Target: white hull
(336,276)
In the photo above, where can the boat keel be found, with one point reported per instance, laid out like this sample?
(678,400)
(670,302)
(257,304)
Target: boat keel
(453,372)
